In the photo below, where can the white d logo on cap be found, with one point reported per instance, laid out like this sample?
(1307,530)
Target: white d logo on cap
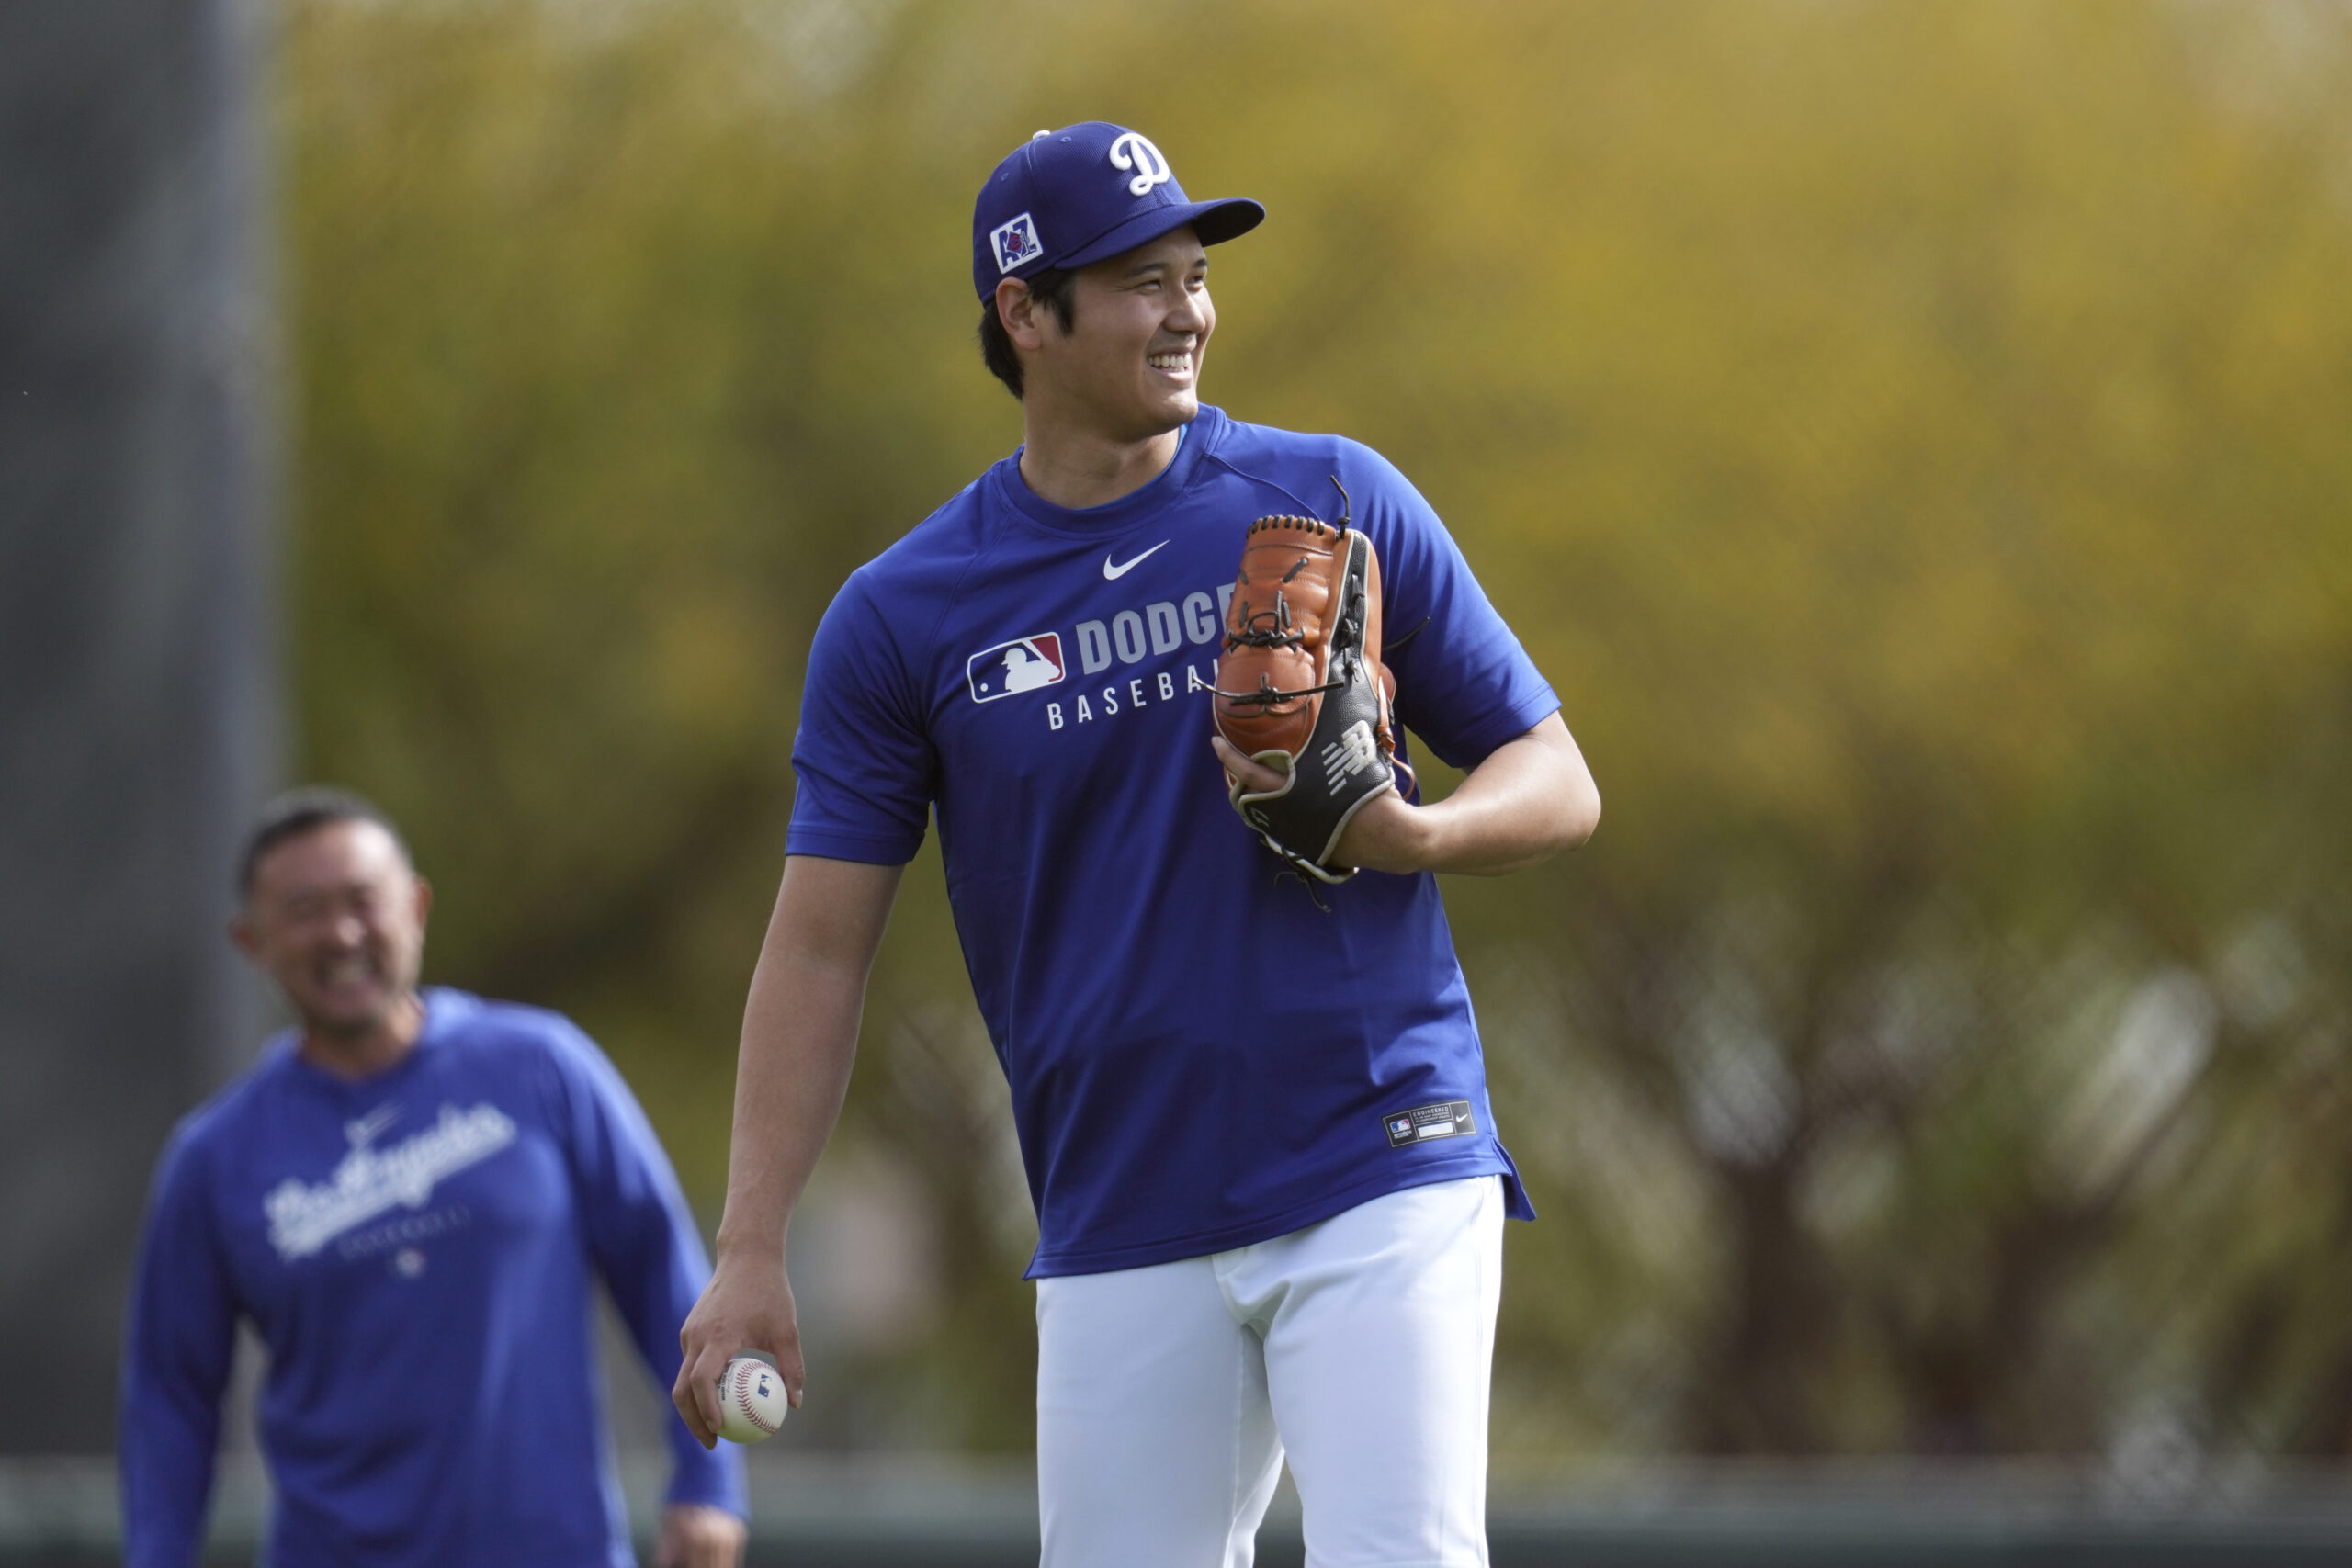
(1133,151)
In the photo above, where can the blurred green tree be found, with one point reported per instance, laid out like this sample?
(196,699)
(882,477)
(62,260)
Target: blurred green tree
(1910,435)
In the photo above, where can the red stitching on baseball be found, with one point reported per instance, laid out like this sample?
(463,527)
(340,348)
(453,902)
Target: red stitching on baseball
(743,1398)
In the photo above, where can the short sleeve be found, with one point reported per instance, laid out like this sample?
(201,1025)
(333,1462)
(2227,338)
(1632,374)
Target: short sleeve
(863,760)
(1464,684)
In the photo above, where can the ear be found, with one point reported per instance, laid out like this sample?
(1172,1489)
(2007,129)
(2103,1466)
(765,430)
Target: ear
(423,901)
(247,939)
(1024,322)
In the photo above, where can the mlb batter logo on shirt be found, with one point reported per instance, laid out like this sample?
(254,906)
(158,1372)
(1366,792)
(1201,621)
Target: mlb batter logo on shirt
(1022,665)
(1016,243)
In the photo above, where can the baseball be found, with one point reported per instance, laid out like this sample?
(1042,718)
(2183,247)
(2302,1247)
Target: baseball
(750,1401)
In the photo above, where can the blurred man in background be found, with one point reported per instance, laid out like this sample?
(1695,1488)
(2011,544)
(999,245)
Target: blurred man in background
(407,1198)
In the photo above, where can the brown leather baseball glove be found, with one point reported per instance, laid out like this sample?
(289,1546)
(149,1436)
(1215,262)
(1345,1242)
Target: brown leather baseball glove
(1300,687)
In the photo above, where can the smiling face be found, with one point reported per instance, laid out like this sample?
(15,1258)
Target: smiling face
(1129,368)
(336,916)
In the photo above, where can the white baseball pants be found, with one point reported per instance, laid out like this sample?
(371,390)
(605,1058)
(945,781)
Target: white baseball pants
(1166,1395)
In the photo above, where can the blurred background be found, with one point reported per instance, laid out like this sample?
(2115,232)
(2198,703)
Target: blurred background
(1915,438)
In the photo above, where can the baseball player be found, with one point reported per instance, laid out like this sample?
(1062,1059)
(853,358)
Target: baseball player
(1268,1188)
(408,1198)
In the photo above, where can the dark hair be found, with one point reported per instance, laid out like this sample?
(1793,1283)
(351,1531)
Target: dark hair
(306,810)
(1050,288)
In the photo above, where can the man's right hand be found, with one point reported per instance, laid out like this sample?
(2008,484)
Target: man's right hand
(746,1306)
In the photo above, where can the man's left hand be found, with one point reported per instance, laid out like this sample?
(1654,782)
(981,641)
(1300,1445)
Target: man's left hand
(695,1535)
(1383,834)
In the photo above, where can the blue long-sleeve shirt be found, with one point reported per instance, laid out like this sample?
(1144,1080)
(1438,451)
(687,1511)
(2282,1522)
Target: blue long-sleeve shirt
(415,1249)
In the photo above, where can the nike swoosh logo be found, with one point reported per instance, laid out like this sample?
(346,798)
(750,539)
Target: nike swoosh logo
(1112,573)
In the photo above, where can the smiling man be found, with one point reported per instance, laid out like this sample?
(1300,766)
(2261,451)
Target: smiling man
(1241,1255)
(408,1198)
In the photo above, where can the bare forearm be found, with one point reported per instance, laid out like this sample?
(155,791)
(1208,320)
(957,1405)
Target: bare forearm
(1529,800)
(799,1038)
(800,1029)
(799,1035)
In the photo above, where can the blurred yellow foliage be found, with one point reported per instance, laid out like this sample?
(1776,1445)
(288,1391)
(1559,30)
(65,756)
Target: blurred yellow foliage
(1912,436)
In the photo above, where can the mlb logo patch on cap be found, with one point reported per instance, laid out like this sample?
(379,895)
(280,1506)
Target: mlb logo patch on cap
(1022,665)
(1016,243)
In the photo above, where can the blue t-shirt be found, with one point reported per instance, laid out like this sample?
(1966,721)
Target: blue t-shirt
(1200,1057)
(415,1251)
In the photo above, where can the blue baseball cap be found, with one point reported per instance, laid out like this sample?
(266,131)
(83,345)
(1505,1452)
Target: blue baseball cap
(1067,197)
